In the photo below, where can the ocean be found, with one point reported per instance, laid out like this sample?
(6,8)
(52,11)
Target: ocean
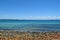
(30,25)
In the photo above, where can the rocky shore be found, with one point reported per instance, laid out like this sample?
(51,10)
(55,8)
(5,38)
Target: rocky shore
(18,35)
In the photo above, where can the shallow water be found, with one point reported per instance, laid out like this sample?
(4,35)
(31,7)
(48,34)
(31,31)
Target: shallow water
(30,25)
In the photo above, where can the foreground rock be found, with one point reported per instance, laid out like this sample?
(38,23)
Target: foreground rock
(18,35)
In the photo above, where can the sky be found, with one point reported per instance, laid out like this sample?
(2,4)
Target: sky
(29,9)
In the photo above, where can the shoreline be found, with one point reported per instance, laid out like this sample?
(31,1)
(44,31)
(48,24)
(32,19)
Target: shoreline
(18,35)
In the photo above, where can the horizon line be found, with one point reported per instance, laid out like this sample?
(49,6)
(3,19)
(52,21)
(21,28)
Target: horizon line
(29,19)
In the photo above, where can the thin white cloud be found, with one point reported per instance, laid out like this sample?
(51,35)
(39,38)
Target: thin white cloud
(36,18)
(43,17)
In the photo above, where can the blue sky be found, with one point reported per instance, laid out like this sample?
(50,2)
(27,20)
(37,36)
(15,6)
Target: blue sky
(29,9)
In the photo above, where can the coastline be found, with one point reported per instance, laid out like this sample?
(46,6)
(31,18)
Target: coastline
(29,30)
(18,35)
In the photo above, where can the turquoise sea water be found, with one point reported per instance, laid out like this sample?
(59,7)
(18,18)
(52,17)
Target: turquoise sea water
(30,25)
